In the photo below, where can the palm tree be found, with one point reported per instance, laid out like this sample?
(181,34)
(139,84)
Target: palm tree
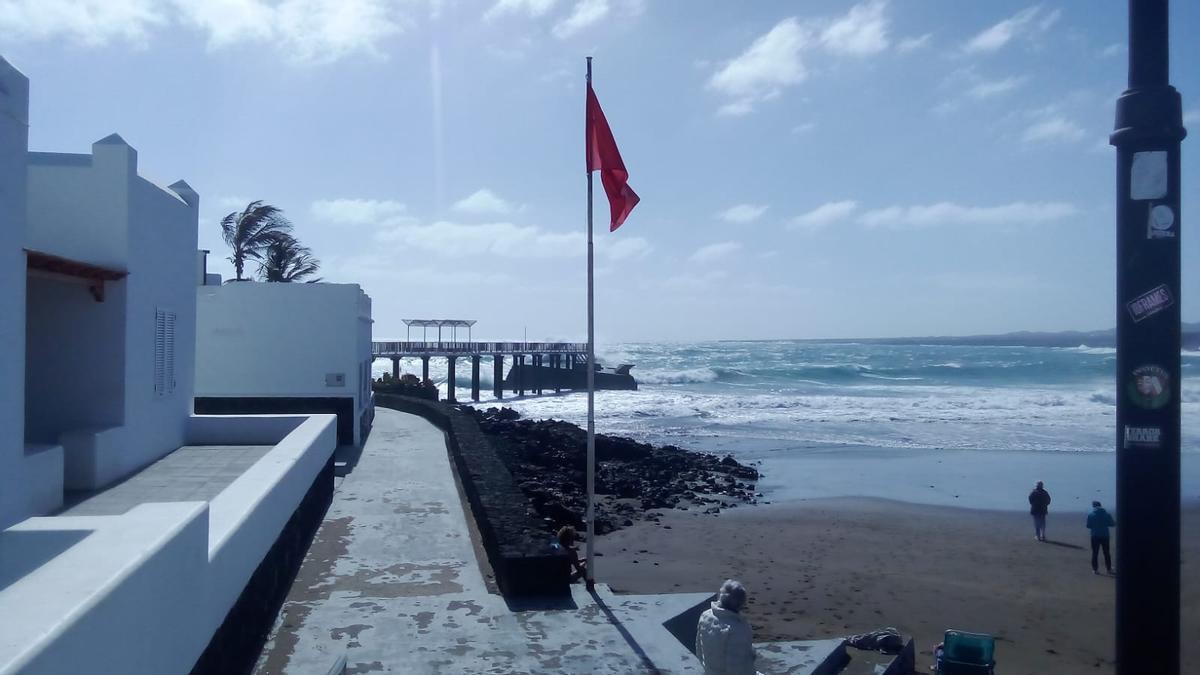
(284,259)
(249,232)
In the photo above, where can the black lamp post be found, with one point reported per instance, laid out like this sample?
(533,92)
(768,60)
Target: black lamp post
(1149,128)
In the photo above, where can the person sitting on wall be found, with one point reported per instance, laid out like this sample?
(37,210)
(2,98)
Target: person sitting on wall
(565,540)
(724,642)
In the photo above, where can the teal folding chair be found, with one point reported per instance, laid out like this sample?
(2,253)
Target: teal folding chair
(968,654)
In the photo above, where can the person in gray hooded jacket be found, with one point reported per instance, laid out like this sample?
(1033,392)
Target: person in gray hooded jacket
(724,641)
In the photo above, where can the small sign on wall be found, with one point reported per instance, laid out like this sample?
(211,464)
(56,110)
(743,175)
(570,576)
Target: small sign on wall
(335,379)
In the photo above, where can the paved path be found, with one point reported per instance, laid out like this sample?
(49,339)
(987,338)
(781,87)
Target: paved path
(392,583)
(193,473)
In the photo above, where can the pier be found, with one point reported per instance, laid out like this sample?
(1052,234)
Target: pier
(565,355)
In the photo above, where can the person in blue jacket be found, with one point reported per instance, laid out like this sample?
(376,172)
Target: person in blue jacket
(1098,521)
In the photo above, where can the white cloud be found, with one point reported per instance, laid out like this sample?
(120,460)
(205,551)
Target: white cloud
(358,212)
(305,31)
(949,213)
(532,8)
(861,32)
(502,239)
(585,13)
(1029,22)
(803,128)
(824,215)
(772,61)
(230,21)
(983,89)
(618,247)
(1191,116)
(742,213)
(912,44)
(89,22)
(1053,129)
(483,202)
(1115,49)
(714,252)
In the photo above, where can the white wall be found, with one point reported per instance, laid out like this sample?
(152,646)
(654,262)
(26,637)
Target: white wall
(281,340)
(14,135)
(163,227)
(79,204)
(96,209)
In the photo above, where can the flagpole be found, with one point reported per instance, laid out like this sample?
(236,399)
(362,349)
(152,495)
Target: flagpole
(591,365)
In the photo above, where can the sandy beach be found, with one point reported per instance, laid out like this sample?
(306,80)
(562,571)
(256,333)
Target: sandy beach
(835,566)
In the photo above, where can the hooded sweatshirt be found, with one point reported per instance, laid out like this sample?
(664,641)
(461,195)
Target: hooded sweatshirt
(724,643)
(1098,521)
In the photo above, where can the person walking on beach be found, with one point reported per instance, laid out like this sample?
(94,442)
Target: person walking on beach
(1098,521)
(724,642)
(1039,506)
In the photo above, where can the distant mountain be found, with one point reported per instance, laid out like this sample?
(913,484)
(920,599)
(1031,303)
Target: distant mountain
(1070,338)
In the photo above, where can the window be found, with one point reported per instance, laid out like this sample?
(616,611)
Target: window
(164,352)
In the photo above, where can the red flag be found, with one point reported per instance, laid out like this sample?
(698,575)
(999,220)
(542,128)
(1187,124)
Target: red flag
(603,156)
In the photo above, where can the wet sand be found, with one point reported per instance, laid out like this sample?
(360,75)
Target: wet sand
(828,567)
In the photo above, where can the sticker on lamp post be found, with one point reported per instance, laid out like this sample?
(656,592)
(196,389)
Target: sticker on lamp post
(1161,223)
(1143,437)
(1149,303)
(1150,387)
(1148,175)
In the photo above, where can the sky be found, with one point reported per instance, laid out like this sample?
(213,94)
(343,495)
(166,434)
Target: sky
(807,169)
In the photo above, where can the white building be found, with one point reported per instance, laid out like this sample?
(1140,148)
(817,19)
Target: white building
(98,277)
(286,347)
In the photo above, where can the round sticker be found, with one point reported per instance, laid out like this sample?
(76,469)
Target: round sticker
(1150,387)
(1162,217)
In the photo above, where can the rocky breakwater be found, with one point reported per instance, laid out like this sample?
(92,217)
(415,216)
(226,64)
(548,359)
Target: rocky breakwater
(634,481)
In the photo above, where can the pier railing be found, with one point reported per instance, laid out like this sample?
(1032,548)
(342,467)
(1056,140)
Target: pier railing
(399,349)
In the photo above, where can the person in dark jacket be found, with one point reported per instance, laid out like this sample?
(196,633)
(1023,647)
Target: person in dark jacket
(1039,506)
(1098,521)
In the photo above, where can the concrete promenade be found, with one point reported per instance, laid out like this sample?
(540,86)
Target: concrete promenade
(392,583)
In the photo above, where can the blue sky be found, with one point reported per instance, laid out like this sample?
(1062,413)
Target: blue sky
(807,169)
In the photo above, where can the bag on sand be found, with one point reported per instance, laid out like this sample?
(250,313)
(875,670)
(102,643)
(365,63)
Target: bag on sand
(887,640)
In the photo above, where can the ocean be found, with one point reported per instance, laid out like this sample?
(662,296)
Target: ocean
(769,401)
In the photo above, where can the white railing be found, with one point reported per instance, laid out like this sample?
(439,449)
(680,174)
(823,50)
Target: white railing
(386,349)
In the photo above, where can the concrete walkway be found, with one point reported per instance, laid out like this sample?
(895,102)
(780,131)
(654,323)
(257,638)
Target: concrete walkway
(392,583)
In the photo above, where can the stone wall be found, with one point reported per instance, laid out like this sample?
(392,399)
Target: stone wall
(512,534)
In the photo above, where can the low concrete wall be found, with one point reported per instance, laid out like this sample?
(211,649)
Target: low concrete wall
(236,645)
(342,406)
(516,543)
(241,429)
(147,591)
(110,593)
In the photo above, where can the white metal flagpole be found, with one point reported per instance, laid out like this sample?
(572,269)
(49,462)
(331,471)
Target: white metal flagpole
(591,363)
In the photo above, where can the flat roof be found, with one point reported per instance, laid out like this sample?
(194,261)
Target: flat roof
(437,323)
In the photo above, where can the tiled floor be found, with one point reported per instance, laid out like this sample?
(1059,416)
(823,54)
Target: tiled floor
(191,473)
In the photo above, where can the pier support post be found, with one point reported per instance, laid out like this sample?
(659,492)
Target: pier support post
(475,378)
(450,379)
(520,364)
(556,362)
(395,367)
(498,376)
(537,382)
(424,368)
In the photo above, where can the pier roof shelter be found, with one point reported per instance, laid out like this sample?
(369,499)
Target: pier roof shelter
(425,324)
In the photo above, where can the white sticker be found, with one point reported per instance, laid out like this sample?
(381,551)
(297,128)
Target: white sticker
(1148,175)
(1162,223)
